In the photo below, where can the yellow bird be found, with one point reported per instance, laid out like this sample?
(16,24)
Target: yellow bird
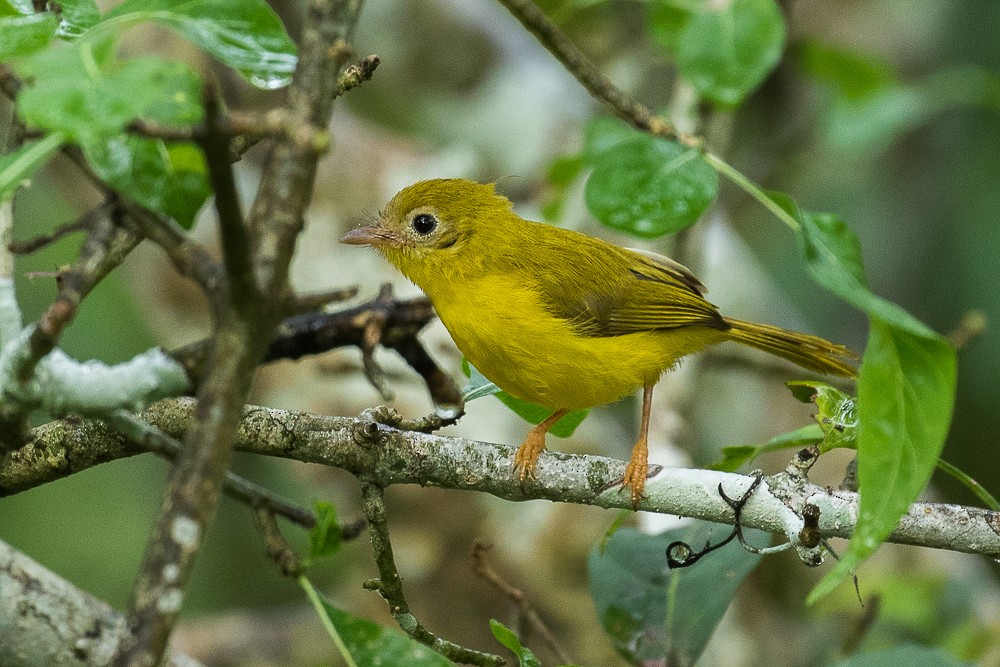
(556,317)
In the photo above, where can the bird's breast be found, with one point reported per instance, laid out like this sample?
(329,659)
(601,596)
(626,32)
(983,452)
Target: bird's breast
(505,330)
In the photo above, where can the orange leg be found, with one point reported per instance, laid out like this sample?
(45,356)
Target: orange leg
(527,454)
(637,468)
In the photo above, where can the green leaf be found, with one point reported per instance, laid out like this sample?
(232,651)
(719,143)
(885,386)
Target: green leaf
(479,385)
(906,390)
(16,8)
(666,21)
(24,35)
(325,538)
(76,16)
(244,34)
(17,167)
(836,415)
(665,616)
(503,635)
(649,187)
(371,644)
(904,656)
(168,177)
(727,52)
(79,90)
(604,133)
(734,458)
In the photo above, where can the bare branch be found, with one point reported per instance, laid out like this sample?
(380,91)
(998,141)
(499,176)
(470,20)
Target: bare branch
(587,73)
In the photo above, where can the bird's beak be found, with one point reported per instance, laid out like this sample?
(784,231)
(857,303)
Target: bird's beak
(369,235)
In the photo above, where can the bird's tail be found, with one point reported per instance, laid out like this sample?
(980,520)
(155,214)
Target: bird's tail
(811,352)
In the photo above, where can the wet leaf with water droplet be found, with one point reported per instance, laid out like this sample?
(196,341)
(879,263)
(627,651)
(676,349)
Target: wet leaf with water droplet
(244,34)
(649,187)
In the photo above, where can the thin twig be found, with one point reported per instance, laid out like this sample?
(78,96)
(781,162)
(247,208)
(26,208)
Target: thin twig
(356,74)
(482,568)
(390,586)
(233,235)
(588,74)
(278,548)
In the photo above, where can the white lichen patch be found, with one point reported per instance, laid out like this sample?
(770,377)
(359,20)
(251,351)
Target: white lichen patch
(185,532)
(170,602)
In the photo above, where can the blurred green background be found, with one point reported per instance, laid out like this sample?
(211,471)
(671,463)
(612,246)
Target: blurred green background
(902,141)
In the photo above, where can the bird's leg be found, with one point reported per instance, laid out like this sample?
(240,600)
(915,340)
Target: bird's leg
(637,468)
(527,454)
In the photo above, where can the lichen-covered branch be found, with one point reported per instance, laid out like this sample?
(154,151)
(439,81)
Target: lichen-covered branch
(389,456)
(48,621)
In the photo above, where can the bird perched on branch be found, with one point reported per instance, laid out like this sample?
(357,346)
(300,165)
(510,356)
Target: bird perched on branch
(559,318)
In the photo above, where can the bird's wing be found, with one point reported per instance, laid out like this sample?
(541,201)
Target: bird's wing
(634,291)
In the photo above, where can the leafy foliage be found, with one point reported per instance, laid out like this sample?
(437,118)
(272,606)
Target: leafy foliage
(326,537)
(659,616)
(906,389)
(724,50)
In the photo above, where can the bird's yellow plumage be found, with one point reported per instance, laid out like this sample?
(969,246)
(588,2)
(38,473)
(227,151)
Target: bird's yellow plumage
(556,317)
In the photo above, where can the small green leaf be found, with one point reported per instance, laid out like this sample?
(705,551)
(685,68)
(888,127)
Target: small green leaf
(371,644)
(733,458)
(479,385)
(24,35)
(168,177)
(906,390)
(244,34)
(727,52)
(325,537)
(602,134)
(659,616)
(904,656)
(504,635)
(649,187)
(836,412)
(17,167)
(76,16)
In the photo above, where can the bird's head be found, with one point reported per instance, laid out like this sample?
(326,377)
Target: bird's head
(432,228)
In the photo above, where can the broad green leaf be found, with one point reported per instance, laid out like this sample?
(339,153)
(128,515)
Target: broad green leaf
(168,177)
(836,413)
(906,390)
(659,616)
(76,16)
(649,187)
(506,637)
(904,656)
(23,35)
(18,166)
(727,51)
(666,21)
(325,537)
(16,8)
(244,34)
(603,133)
(479,385)
(79,90)
(371,644)
(734,458)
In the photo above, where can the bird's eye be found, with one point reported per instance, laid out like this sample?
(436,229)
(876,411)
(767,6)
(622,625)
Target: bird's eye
(424,224)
